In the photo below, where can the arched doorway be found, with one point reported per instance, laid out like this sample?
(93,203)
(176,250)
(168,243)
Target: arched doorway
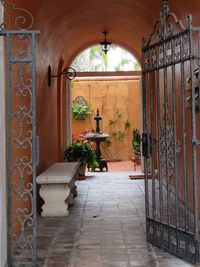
(115,93)
(53,157)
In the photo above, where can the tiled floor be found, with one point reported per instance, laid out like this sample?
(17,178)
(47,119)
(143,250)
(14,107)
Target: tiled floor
(125,166)
(105,228)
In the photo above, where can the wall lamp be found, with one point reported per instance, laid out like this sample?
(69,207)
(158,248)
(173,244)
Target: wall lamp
(68,73)
(105,45)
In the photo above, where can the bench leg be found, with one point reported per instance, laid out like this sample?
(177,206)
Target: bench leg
(73,193)
(54,196)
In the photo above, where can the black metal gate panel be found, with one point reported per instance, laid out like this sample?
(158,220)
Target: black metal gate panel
(171,126)
(22,156)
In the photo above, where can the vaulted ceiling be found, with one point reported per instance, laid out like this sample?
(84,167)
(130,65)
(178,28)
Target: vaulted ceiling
(67,27)
(73,25)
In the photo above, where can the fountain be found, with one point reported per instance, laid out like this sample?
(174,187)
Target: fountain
(97,138)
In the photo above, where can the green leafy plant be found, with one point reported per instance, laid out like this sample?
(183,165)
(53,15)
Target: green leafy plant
(80,111)
(116,117)
(82,152)
(119,135)
(117,132)
(127,124)
(136,142)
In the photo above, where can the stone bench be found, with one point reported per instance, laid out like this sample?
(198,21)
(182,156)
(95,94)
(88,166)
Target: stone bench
(58,188)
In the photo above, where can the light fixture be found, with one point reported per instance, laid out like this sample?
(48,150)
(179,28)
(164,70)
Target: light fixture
(105,45)
(69,73)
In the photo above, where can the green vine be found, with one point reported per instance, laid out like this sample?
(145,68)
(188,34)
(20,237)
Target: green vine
(115,133)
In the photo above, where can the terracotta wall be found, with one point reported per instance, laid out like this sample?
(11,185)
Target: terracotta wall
(72,27)
(67,29)
(111,98)
(64,31)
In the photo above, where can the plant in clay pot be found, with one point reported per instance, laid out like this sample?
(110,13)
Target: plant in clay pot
(136,144)
(82,152)
(80,111)
(136,148)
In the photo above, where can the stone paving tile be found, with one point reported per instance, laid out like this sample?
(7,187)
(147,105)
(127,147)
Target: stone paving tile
(105,228)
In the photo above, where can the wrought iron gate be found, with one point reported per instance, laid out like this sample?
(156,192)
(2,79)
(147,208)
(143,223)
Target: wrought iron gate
(21,134)
(171,125)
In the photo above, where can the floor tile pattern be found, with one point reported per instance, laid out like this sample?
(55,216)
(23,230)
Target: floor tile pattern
(105,228)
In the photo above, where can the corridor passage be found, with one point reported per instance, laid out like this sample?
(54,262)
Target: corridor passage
(105,228)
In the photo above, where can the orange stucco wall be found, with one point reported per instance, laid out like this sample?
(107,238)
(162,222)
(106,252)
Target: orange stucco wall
(66,29)
(110,97)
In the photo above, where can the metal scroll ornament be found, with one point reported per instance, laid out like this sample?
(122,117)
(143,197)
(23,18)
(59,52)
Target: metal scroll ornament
(23,21)
(167,145)
(22,142)
(21,147)
(165,26)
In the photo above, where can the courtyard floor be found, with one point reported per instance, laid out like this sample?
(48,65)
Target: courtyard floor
(105,228)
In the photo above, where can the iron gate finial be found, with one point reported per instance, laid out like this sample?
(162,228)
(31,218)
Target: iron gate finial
(165,26)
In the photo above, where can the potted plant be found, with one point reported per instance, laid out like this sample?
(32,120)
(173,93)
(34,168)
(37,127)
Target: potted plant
(136,146)
(82,152)
(80,111)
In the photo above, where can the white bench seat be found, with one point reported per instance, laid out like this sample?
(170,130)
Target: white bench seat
(58,188)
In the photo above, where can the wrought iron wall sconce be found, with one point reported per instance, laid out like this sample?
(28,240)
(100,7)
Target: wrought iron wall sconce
(68,72)
(105,45)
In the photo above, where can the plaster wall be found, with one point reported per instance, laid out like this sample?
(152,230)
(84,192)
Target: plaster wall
(68,114)
(112,98)
(65,31)
(48,104)
(79,24)
(3,228)
(75,26)
(69,29)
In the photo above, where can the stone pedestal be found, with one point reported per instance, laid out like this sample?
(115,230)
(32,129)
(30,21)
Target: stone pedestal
(54,197)
(98,138)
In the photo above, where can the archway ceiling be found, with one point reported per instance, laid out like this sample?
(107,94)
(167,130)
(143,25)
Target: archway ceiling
(75,24)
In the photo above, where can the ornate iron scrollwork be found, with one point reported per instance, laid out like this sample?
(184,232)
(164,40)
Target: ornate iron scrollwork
(22,22)
(163,28)
(196,83)
(169,54)
(22,156)
(167,145)
(21,151)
